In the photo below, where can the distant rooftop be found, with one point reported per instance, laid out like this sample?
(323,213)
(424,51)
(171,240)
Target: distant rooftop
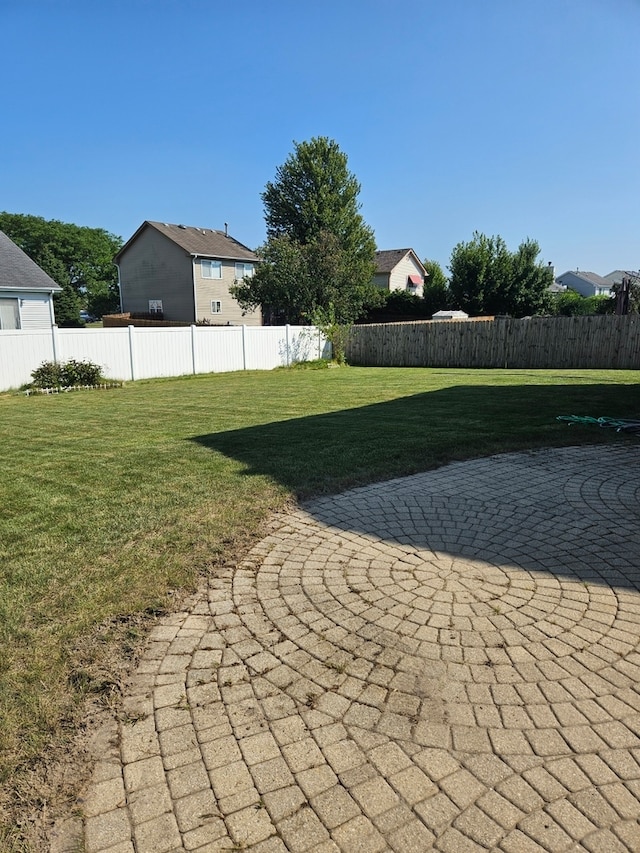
(591,277)
(198,241)
(19,272)
(387,259)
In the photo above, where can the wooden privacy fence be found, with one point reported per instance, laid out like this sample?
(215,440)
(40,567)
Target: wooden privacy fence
(599,341)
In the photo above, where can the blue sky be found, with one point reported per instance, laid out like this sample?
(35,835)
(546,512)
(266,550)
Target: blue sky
(511,117)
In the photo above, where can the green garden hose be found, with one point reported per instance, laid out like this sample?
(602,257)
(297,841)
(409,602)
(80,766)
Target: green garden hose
(619,424)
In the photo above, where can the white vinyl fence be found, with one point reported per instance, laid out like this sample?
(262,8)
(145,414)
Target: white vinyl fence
(146,352)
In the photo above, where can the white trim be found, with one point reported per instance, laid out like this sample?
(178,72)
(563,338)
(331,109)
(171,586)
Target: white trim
(195,289)
(211,268)
(36,290)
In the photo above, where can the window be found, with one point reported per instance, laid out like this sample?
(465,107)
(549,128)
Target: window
(9,314)
(243,271)
(211,269)
(155,306)
(216,306)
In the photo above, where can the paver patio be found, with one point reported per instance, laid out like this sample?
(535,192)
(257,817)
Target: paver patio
(444,662)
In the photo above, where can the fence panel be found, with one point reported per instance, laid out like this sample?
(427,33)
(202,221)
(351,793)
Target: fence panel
(146,352)
(20,353)
(277,346)
(600,341)
(218,350)
(107,347)
(162,352)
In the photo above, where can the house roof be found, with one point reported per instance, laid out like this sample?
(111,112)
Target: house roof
(19,272)
(203,242)
(616,276)
(590,277)
(388,259)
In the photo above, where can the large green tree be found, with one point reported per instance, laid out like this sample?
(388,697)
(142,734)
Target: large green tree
(302,283)
(78,258)
(436,296)
(486,278)
(318,261)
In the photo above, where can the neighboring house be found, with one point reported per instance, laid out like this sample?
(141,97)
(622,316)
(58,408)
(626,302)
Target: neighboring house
(183,273)
(26,291)
(585,283)
(616,276)
(399,269)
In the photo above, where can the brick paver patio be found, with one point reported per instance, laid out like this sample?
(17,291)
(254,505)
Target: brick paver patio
(443,662)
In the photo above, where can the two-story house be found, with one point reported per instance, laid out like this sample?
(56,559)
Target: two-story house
(585,283)
(399,269)
(184,273)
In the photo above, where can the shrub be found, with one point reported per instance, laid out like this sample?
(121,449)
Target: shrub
(48,375)
(80,373)
(572,304)
(53,375)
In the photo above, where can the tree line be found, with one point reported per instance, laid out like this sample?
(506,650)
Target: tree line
(78,258)
(318,260)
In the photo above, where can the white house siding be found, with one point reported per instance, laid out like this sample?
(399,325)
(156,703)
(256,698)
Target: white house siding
(155,268)
(582,285)
(399,277)
(210,290)
(35,311)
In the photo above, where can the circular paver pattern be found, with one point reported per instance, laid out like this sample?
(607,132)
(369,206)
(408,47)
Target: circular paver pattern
(444,662)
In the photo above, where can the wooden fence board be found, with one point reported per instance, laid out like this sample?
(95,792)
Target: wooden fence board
(599,342)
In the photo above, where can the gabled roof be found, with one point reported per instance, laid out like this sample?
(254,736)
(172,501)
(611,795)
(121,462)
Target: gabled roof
(204,242)
(19,272)
(388,259)
(590,277)
(616,276)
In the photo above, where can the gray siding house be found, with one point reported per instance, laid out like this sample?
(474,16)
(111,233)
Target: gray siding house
(26,291)
(616,276)
(585,283)
(184,273)
(399,269)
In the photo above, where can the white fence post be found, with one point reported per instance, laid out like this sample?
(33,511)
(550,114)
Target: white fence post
(54,342)
(131,353)
(244,347)
(132,360)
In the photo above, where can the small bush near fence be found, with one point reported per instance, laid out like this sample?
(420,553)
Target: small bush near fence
(68,374)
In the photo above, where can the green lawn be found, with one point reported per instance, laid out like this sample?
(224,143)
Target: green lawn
(111,499)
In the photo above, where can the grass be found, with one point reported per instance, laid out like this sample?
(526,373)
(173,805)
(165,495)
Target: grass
(111,500)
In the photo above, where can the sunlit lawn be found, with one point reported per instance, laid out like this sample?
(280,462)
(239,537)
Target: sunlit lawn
(110,499)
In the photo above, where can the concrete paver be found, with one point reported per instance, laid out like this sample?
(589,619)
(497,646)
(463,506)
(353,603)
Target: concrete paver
(449,661)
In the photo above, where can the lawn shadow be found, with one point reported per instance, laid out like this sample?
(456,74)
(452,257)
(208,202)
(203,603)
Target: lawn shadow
(529,512)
